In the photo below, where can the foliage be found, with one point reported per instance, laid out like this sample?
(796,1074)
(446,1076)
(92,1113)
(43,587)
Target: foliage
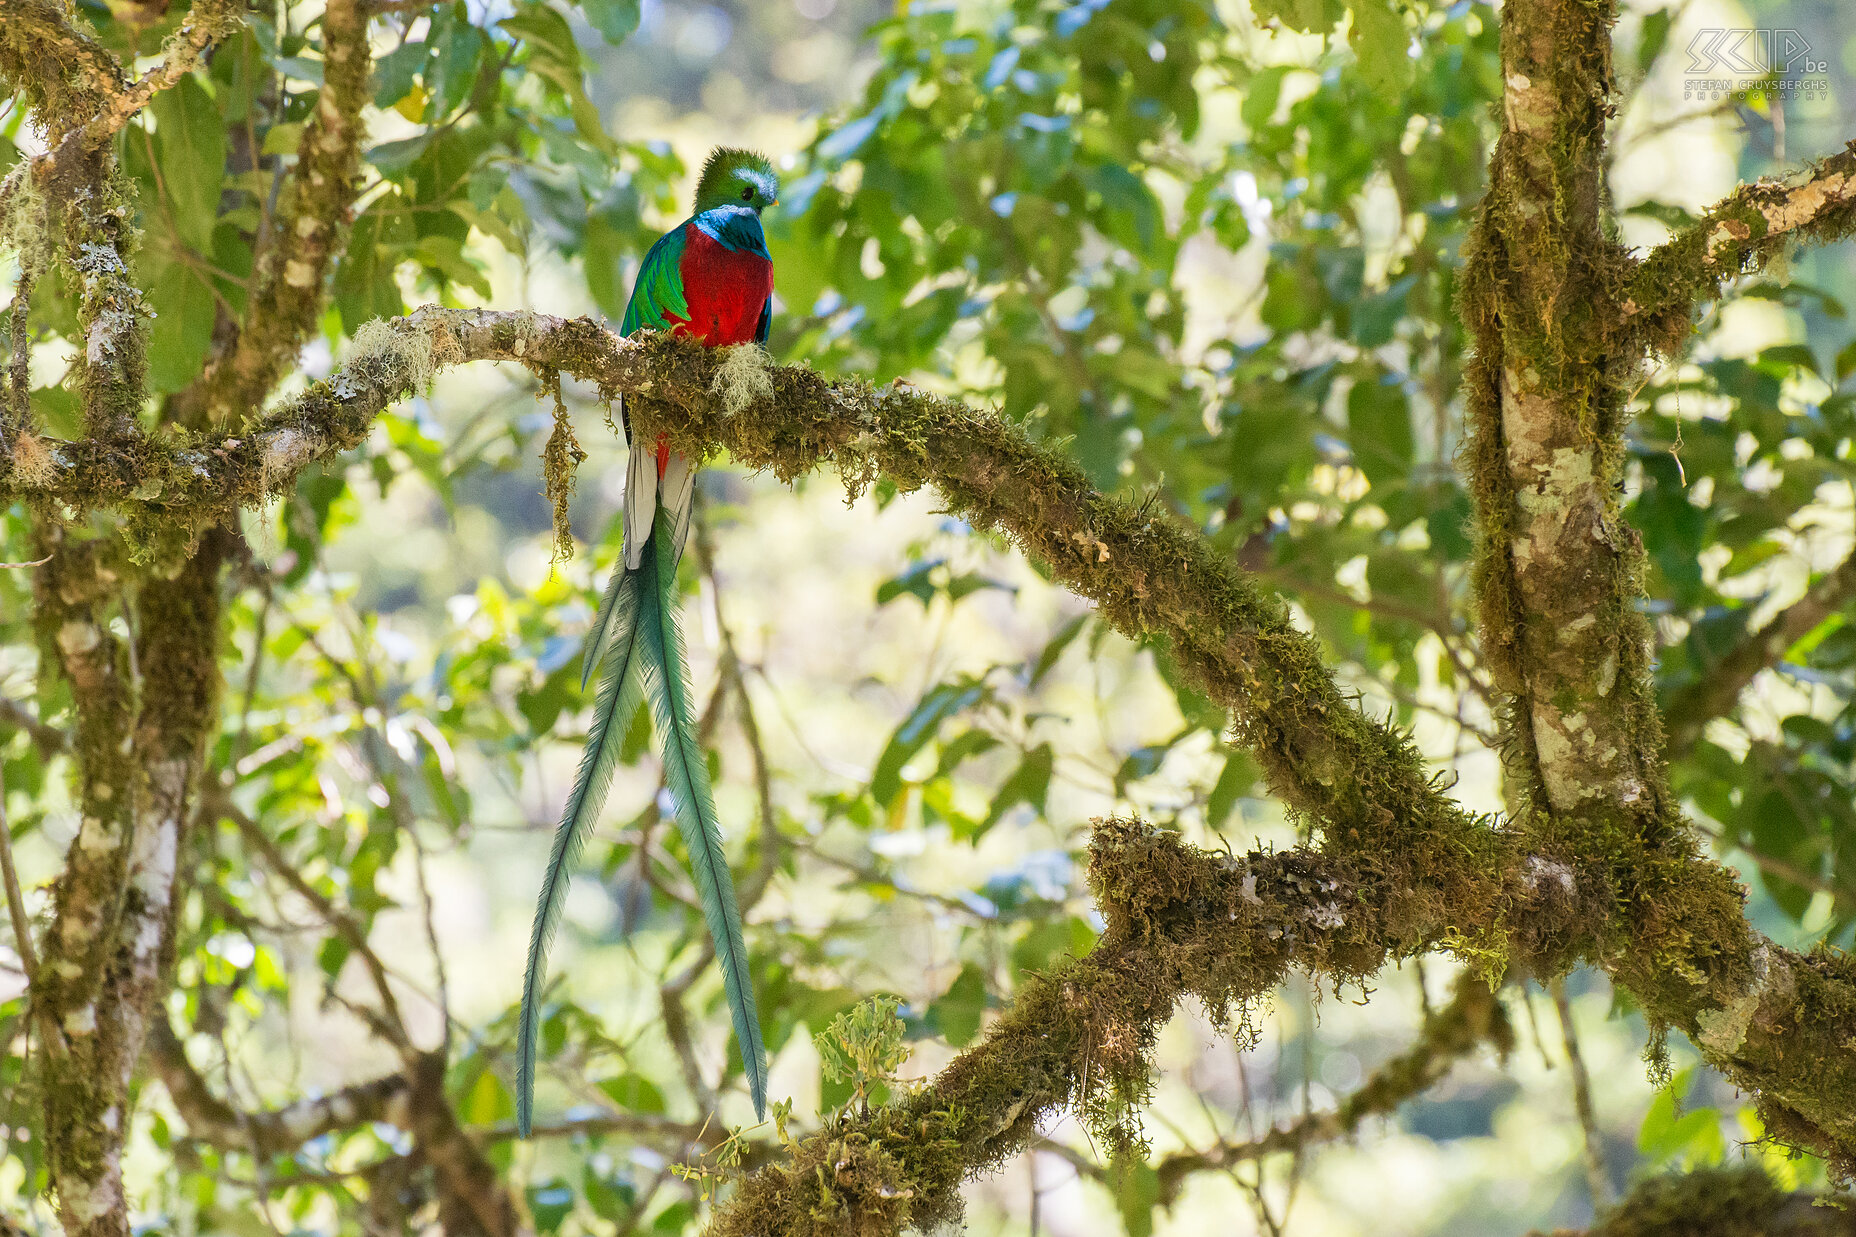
(863,1047)
(1215,260)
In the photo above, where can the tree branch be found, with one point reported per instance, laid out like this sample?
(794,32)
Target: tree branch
(48,739)
(1692,962)
(111,936)
(208,21)
(1718,688)
(1474,1017)
(389,1024)
(1559,570)
(63,70)
(15,900)
(1739,235)
(310,230)
(1180,922)
(270,1132)
(1597,1179)
(1146,572)
(1738,1201)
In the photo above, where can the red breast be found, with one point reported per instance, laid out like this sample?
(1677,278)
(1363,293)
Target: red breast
(726,290)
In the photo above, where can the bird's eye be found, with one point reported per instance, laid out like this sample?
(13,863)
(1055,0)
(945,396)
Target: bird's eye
(747,195)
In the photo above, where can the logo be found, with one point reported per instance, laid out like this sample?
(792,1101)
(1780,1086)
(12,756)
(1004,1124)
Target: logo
(1737,61)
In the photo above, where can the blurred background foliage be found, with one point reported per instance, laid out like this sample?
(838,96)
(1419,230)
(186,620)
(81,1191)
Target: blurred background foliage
(1213,248)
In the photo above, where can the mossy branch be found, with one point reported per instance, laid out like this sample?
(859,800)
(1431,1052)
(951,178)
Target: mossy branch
(1360,783)
(310,231)
(208,22)
(1559,575)
(1741,234)
(1739,1201)
(1181,922)
(138,748)
(62,69)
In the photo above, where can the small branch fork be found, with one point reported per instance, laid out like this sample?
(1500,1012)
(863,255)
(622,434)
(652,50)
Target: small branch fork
(1474,1018)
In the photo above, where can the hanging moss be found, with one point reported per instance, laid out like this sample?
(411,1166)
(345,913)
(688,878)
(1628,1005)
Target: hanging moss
(561,458)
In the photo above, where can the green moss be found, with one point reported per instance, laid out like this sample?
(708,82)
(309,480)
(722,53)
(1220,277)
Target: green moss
(1731,240)
(1738,1201)
(561,458)
(62,69)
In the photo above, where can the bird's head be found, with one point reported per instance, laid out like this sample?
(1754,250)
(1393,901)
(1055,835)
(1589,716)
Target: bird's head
(737,178)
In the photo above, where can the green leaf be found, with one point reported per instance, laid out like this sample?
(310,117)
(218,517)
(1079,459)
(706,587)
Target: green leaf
(1308,16)
(1049,940)
(1652,38)
(964,746)
(916,582)
(939,704)
(961,1008)
(1133,211)
(1382,44)
(672,1220)
(615,19)
(610,1195)
(550,1203)
(488,1101)
(634,1093)
(1261,97)
(1029,783)
(458,46)
(182,332)
(1846,360)
(1053,650)
(1137,1193)
(333,955)
(1379,429)
(1692,1138)
(190,153)
(602,261)
(394,73)
(1235,781)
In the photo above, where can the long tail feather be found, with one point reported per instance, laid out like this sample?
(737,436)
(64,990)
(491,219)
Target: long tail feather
(606,624)
(686,775)
(619,692)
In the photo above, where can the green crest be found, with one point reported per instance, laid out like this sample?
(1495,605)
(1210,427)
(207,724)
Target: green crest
(733,177)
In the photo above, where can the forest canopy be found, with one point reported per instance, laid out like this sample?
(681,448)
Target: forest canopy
(1272,628)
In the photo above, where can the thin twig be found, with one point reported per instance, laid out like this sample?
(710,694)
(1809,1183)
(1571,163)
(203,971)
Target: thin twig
(1597,1180)
(391,1027)
(15,901)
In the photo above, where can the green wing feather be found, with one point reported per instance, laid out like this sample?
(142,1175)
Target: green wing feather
(657,296)
(619,693)
(686,775)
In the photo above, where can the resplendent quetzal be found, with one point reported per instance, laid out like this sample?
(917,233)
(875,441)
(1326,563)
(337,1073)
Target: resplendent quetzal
(710,278)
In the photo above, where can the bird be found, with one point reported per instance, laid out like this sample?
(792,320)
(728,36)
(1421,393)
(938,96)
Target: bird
(709,278)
